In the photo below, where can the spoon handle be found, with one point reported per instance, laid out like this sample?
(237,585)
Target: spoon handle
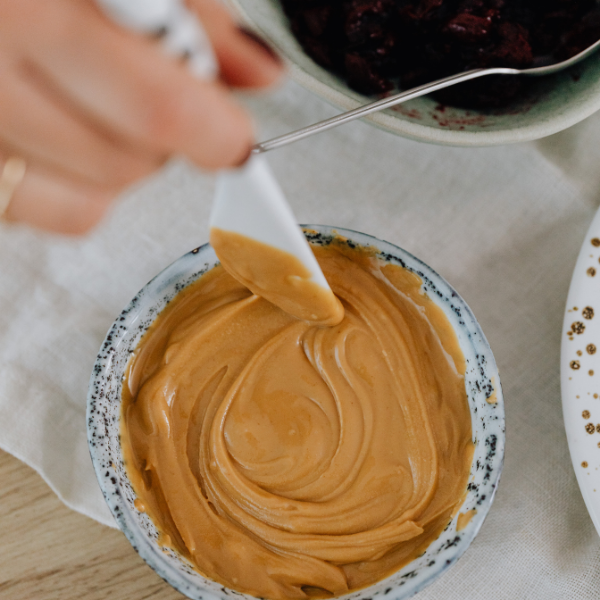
(378,105)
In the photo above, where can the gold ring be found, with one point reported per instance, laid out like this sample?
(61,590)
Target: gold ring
(12,175)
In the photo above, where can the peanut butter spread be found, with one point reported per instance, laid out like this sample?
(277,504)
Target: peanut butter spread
(277,276)
(286,459)
(464,519)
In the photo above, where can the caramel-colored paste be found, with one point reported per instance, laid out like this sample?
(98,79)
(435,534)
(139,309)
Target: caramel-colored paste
(277,276)
(464,519)
(285,459)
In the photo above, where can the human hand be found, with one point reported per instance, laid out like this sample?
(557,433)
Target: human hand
(92,108)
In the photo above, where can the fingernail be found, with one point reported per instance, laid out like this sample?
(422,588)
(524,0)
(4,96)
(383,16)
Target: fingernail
(160,33)
(246,157)
(256,38)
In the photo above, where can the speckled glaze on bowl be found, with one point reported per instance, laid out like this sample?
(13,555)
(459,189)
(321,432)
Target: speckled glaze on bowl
(555,103)
(579,369)
(104,403)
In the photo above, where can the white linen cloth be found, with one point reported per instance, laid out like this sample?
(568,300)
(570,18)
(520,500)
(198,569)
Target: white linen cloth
(503,225)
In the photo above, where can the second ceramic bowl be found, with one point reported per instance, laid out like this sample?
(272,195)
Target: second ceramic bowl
(555,102)
(482,384)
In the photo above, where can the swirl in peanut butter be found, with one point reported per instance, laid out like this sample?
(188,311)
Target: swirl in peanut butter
(288,460)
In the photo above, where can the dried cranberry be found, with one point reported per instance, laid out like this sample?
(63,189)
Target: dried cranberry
(514,49)
(474,7)
(426,7)
(583,35)
(366,21)
(363,77)
(468,28)
(372,42)
(547,34)
(317,19)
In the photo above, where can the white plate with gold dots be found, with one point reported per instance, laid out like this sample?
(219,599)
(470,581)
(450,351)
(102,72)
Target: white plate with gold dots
(580,370)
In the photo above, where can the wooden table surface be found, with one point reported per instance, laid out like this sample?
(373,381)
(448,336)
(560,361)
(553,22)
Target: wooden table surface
(48,552)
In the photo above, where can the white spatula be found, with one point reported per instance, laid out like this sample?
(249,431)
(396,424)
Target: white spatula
(248,200)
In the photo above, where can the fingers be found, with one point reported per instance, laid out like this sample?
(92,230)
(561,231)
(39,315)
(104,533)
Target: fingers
(72,170)
(36,127)
(127,85)
(53,203)
(92,107)
(244,59)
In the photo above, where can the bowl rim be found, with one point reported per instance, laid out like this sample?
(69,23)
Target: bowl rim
(109,476)
(572,113)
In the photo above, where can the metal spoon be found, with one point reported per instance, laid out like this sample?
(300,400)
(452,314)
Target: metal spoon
(421,90)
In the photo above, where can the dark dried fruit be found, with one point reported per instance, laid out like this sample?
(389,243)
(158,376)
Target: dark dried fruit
(468,28)
(367,20)
(363,75)
(514,49)
(375,43)
(317,19)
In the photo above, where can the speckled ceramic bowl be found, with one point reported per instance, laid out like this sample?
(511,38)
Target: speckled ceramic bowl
(103,420)
(555,102)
